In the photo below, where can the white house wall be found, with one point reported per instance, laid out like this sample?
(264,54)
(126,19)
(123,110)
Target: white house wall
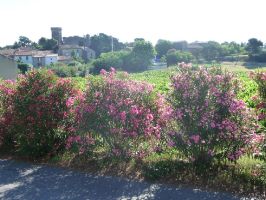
(24,59)
(50,59)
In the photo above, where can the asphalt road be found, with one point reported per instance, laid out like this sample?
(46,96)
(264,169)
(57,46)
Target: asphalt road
(20,180)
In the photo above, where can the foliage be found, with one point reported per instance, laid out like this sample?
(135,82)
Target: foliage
(212,123)
(130,116)
(174,57)
(22,42)
(140,57)
(260,100)
(74,69)
(110,59)
(136,60)
(254,46)
(232,48)
(102,43)
(211,51)
(39,115)
(248,88)
(7,90)
(159,78)
(23,67)
(162,47)
(259,57)
(47,44)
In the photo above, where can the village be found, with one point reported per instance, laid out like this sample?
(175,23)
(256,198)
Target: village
(68,47)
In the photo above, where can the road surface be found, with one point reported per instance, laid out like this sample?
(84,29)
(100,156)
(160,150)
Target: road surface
(20,180)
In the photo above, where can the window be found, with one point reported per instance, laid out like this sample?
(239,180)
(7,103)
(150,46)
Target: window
(27,57)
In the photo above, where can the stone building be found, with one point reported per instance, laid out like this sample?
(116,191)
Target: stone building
(74,50)
(77,40)
(57,34)
(72,46)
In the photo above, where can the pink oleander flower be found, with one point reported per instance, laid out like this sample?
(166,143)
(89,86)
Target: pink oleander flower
(149,117)
(70,101)
(103,72)
(123,115)
(195,138)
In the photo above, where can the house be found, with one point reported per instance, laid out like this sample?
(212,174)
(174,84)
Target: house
(74,50)
(34,57)
(65,59)
(8,68)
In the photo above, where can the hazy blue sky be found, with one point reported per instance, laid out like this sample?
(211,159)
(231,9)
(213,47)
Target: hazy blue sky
(220,20)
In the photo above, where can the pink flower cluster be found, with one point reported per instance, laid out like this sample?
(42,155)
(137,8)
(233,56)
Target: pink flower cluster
(81,144)
(204,102)
(39,106)
(123,110)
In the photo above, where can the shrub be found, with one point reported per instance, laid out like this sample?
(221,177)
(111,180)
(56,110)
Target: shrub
(7,90)
(174,57)
(127,114)
(40,113)
(260,100)
(23,67)
(109,59)
(212,122)
(259,57)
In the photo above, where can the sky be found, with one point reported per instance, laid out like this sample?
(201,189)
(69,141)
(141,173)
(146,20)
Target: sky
(174,20)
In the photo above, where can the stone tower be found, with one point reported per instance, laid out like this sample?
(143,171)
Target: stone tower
(57,34)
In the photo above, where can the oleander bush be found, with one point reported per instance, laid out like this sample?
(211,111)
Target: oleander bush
(260,103)
(7,90)
(39,117)
(127,114)
(212,122)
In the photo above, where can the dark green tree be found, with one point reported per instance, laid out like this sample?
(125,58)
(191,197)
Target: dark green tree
(174,57)
(212,51)
(254,46)
(102,43)
(161,47)
(22,42)
(47,44)
(141,55)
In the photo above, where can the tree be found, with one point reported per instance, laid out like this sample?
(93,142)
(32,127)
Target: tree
(137,59)
(141,55)
(211,51)
(47,44)
(114,59)
(102,43)
(231,48)
(162,47)
(174,57)
(254,46)
(180,45)
(22,42)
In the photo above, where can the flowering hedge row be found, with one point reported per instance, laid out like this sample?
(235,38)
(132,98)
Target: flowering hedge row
(201,117)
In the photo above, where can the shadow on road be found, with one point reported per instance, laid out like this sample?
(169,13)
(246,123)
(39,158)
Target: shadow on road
(19,180)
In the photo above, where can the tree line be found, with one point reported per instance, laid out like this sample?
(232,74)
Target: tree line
(138,55)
